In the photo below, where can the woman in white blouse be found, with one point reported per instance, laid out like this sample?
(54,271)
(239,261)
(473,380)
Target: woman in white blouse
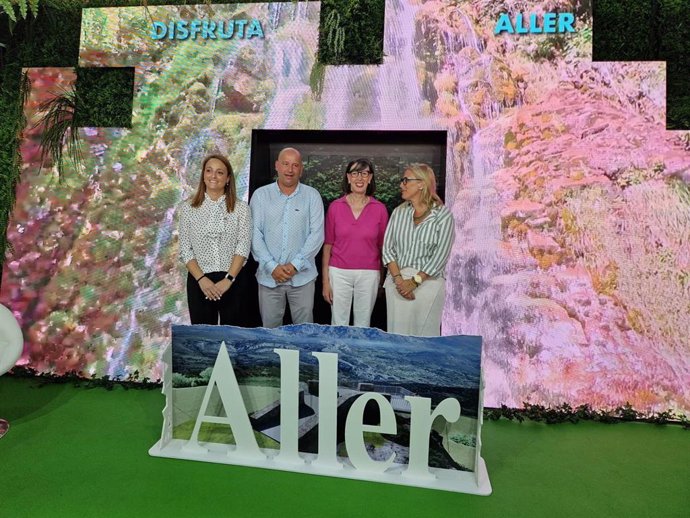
(215,239)
(416,248)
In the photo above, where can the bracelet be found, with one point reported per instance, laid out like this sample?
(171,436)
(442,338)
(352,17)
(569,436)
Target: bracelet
(202,276)
(397,275)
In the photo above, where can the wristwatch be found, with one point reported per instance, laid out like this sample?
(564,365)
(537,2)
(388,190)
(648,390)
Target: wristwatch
(230,277)
(417,279)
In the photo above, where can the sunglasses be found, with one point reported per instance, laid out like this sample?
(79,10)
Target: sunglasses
(404,180)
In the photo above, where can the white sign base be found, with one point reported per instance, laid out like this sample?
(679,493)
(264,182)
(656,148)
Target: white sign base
(457,481)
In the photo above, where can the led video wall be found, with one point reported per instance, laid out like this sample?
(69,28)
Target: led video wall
(571,200)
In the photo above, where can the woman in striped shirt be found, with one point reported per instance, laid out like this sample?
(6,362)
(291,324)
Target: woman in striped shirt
(416,248)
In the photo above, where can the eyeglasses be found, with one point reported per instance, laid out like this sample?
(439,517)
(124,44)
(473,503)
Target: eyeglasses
(361,174)
(404,180)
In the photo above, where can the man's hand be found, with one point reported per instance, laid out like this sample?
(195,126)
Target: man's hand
(283,272)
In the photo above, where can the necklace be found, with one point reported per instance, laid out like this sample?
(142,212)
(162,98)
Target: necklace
(420,218)
(351,201)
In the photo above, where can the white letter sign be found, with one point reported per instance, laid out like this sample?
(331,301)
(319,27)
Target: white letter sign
(343,402)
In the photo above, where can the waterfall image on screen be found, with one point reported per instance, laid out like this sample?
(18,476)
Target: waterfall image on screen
(571,201)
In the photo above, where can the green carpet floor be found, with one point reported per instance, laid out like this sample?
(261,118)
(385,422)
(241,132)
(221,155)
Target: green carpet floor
(83,452)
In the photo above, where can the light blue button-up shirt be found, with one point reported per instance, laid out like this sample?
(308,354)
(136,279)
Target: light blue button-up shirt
(287,229)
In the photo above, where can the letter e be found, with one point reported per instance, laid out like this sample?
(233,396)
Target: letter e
(354,427)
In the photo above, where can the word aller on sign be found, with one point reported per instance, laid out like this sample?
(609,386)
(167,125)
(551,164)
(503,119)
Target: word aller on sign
(224,383)
(207,29)
(547,23)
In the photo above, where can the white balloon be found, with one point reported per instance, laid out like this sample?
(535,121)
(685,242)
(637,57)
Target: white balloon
(11,340)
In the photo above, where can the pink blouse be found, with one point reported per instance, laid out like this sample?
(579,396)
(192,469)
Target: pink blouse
(357,242)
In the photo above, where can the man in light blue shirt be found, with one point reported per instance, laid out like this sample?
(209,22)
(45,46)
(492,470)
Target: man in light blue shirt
(288,233)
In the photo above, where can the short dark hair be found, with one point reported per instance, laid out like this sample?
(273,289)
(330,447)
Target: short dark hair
(360,165)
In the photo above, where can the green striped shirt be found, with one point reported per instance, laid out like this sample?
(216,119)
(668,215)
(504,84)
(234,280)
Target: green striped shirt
(426,246)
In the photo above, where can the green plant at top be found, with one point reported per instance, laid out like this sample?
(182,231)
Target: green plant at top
(9,134)
(335,35)
(351,32)
(105,97)
(18,10)
(60,131)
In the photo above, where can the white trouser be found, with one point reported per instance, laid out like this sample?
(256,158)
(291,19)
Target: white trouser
(418,317)
(353,286)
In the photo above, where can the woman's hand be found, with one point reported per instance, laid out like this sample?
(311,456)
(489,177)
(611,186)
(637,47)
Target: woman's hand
(398,281)
(405,288)
(223,285)
(327,292)
(210,289)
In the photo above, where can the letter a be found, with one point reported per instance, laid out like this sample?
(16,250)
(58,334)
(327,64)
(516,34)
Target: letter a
(223,377)
(255,29)
(503,24)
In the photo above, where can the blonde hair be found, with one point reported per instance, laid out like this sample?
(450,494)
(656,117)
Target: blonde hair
(426,174)
(230,189)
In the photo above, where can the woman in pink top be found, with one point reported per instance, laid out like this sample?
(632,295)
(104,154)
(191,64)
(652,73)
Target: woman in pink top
(355,225)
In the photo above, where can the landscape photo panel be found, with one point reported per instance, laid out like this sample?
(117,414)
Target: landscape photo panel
(369,360)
